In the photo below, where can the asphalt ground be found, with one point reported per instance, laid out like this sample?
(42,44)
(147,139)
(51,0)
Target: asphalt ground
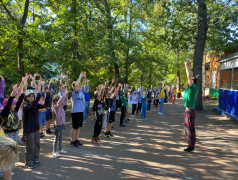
(151,149)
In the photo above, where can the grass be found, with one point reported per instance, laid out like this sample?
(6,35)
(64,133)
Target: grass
(218,138)
(210,103)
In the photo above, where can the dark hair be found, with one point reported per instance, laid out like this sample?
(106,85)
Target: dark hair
(195,78)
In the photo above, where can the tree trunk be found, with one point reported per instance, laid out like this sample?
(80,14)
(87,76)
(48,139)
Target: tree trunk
(20,54)
(111,44)
(199,49)
(178,80)
(76,57)
(178,69)
(141,80)
(127,64)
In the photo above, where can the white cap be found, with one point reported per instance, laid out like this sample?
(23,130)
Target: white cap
(28,92)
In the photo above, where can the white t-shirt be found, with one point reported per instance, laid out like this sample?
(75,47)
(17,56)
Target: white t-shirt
(134,99)
(129,99)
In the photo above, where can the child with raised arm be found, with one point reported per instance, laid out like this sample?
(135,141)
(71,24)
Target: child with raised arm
(48,105)
(161,99)
(31,127)
(9,116)
(112,111)
(62,89)
(144,105)
(87,102)
(124,104)
(78,106)
(99,115)
(58,110)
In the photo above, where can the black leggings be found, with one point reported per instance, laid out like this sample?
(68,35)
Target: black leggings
(123,113)
(139,108)
(156,102)
(98,125)
(133,109)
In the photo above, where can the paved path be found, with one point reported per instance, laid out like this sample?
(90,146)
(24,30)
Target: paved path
(151,149)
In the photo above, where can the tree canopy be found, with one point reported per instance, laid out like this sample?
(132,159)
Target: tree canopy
(137,41)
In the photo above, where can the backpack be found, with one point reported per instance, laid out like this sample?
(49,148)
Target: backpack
(11,122)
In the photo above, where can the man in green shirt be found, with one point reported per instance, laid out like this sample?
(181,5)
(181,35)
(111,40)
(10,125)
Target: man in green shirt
(190,112)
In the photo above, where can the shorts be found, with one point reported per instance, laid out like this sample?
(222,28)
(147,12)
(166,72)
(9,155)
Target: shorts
(111,116)
(77,120)
(48,114)
(42,118)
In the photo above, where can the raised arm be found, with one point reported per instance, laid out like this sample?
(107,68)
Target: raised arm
(188,72)
(76,86)
(2,86)
(111,84)
(61,83)
(33,83)
(20,89)
(162,86)
(66,81)
(116,90)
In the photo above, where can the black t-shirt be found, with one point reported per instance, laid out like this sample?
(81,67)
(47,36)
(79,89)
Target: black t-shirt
(96,103)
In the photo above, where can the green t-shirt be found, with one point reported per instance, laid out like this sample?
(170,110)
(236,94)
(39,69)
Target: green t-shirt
(190,96)
(123,99)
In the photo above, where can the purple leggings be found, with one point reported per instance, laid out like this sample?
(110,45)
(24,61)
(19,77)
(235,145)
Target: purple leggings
(189,127)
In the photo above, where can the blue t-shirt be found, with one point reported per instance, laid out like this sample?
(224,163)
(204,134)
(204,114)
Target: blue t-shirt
(112,104)
(78,101)
(143,101)
(87,97)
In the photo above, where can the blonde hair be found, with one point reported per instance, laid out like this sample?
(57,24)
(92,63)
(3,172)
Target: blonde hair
(8,153)
(56,98)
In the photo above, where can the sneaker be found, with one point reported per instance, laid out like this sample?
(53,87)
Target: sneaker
(48,131)
(142,119)
(98,140)
(30,166)
(189,149)
(122,125)
(72,143)
(75,144)
(94,141)
(80,144)
(109,133)
(160,113)
(37,163)
(63,152)
(56,154)
(41,135)
(12,173)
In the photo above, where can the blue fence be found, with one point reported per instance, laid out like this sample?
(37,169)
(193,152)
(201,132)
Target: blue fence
(228,101)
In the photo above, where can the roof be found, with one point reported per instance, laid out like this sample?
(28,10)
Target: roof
(229,58)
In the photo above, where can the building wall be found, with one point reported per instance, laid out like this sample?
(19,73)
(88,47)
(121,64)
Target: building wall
(211,70)
(226,78)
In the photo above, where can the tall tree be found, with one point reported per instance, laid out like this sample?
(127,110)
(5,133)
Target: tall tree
(199,49)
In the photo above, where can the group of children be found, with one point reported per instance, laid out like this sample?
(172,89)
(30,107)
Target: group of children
(36,105)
